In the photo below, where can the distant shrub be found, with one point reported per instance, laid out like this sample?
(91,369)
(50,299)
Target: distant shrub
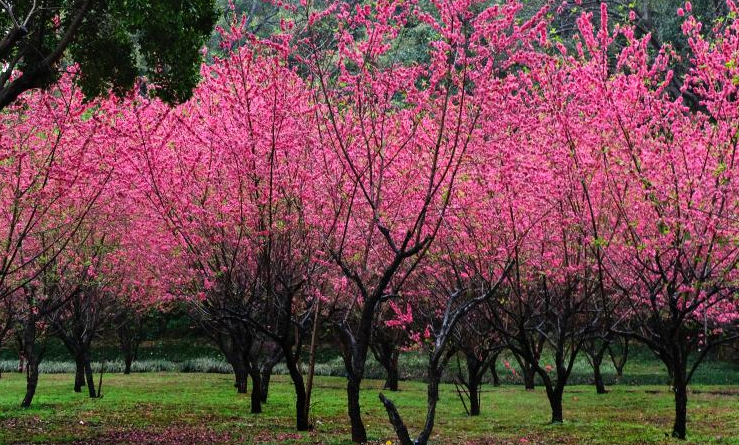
(206,364)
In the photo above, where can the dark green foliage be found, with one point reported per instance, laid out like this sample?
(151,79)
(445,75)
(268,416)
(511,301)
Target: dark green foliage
(112,42)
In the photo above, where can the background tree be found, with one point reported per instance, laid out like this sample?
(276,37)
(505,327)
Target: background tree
(112,42)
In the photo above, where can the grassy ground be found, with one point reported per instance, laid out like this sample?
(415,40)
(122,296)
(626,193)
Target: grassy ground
(175,408)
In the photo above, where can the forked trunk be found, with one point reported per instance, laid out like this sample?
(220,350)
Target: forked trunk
(434,375)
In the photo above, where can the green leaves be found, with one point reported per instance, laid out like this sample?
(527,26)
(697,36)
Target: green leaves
(663,228)
(113,43)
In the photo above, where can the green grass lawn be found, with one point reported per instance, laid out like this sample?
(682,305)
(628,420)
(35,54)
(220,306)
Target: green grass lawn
(175,408)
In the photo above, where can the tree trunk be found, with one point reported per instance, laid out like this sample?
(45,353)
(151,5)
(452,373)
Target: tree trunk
(555,402)
(527,372)
(266,367)
(475,369)
(240,377)
(620,362)
(31,382)
(600,387)
(680,387)
(79,376)
(359,434)
(528,377)
(396,420)
(474,396)
(266,376)
(312,357)
(494,370)
(386,354)
(434,375)
(301,408)
(391,383)
(256,390)
(32,360)
(128,360)
(89,377)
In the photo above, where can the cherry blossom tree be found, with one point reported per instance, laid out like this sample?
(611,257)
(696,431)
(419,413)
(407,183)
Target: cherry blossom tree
(396,136)
(227,177)
(671,176)
(56,162)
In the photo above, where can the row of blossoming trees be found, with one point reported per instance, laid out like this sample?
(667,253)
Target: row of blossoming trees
(508,190)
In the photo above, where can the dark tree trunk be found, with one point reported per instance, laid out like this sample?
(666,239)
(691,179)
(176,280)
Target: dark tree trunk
(266,376)
(396,421)
(240,377)
(619,371)
(32,360)
(595,349)
(474,397)
(359,434)
(600,387)
(555,402)
(528,372)
(434,376)
(391,383)
(130,332)
(680,386)
(620,361)
(31,382)
(256,390)
(128,359)
(79,376)
(266,368)
(301,410)
(89,377)
(529,375)
(386,354)
(475,370)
